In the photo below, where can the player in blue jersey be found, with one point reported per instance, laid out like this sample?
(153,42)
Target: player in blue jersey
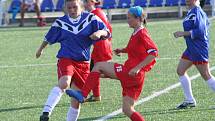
(75,32)
(196,35)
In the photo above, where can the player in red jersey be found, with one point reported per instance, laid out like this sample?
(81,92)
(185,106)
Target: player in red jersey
(141,51)
(102,50)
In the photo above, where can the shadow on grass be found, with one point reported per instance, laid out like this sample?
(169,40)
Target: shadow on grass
(28,107)
(176,111)
(96,118)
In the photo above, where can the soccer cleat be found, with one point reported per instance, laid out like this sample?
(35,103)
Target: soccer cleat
(93,99)
(186,104)
(44,116)
(76,94)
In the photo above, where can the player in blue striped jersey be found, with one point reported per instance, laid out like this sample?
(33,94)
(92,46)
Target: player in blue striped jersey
(75,32)
(196,35)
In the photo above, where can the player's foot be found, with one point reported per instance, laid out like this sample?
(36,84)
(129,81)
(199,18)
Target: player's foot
(41,24)
(76,94)
(21,24)
(44,116)
(186,104)
(93,99)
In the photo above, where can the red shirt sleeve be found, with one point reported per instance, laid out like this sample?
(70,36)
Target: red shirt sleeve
(149,45)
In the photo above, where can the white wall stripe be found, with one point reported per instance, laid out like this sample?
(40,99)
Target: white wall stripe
(154,95)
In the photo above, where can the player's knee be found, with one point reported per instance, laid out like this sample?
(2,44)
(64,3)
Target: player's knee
(206,75)
(64,82)
(180,72)
(75,104)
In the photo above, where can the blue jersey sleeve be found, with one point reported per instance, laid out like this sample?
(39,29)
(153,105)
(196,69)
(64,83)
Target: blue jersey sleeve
(99,25)
(198,24)
(54,34)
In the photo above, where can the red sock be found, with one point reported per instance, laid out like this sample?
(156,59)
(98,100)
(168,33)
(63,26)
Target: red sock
(96,90)
(91,82)
(136,117)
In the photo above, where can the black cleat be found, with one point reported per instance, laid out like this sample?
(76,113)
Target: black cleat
(44,116)
(186,104)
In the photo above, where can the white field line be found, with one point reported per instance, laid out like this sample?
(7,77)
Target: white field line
(150,97)
(27,65)
(52,64)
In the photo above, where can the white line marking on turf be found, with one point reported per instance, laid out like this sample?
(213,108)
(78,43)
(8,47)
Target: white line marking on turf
(27,65)
(51,64)
(154,95)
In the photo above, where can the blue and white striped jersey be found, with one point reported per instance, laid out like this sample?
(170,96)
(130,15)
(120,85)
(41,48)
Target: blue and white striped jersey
(73,35)
(197,23)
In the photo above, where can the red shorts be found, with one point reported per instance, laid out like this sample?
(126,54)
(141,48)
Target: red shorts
(102,51)
(132,86)
(78,70)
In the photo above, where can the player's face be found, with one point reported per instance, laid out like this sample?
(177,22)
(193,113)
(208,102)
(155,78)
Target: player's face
(88,4)
(132,21)
(73,9)
(190,3)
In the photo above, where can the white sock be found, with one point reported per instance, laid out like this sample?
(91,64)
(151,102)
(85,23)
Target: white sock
(186,85)
(211,83)
(72,114)
(53,98)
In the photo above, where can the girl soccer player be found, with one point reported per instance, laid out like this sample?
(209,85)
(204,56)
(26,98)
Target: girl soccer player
(102,50)
(141,52)
(76,32)
(196,34)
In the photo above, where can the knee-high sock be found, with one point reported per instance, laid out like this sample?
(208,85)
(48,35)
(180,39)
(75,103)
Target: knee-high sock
(53,98)
(91,82)
(72,114)
(211,83)
(136,117)
(96,90)
(186,85)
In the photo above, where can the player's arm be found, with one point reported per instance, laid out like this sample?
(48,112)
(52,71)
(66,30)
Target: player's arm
(119,50)
(182,34)
(100,34)
(40,49)
(133,72)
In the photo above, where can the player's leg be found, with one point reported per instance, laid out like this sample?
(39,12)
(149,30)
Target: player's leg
(65,73)
(22,13)
(41,21)
(183,66)
(206,75)
(54,97)
(74,109)
(128,109)
(106,68)
(96,90)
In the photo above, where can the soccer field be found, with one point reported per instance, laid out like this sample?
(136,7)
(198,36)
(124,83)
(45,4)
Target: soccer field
(25,81)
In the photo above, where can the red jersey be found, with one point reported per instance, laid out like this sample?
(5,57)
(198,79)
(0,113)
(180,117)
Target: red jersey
(102,50)
(98,12)
(139,47)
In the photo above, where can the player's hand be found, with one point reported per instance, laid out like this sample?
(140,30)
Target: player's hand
(133,72)
(117,51)
(178,34)
(39,53)
(95,35)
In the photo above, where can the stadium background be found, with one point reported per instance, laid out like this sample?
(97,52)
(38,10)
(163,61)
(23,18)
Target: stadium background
(25,81)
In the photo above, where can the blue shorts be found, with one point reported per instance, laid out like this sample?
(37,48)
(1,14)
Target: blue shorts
(196,58)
